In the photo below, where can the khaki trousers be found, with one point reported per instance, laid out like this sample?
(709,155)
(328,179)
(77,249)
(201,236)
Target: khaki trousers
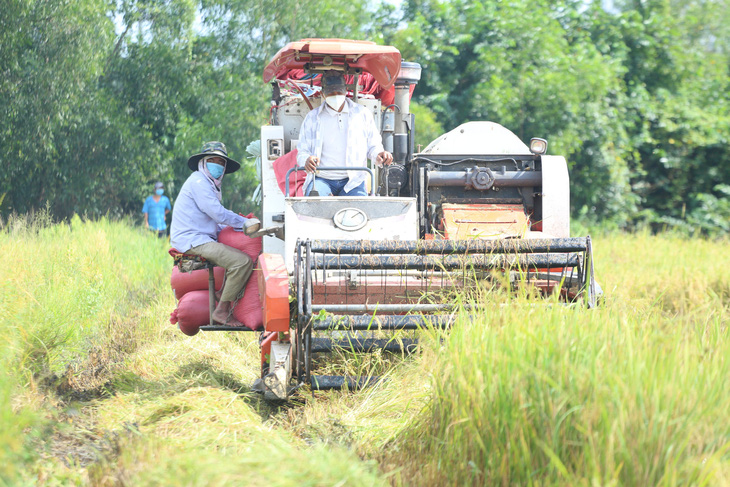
(238,266)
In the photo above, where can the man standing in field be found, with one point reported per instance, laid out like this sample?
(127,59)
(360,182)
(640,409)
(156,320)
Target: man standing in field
(339,133)
(155,209)
(199,216)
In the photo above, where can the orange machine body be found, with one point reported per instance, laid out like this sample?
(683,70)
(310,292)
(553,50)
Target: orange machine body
(274,291)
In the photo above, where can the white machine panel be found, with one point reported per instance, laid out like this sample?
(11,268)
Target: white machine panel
(487,138)
(348,218)
(555,197)
(272,137)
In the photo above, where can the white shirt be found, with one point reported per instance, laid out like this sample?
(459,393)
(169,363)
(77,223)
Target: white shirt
(363,141)
(334,145)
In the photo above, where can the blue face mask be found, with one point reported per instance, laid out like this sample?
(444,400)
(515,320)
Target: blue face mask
(215,170)
(159,191)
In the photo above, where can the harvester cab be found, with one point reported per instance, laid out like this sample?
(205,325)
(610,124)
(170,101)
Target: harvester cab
(356,273)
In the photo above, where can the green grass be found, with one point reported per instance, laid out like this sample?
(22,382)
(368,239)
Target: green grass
(632,393)
(71,295)
(97,388)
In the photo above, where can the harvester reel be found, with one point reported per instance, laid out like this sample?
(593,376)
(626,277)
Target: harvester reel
(355,286)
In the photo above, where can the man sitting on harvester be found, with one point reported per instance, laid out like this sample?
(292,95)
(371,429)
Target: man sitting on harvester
(198,217)
(338,134)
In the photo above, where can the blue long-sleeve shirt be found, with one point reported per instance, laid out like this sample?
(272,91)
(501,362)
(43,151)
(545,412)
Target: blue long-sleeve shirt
(198,215)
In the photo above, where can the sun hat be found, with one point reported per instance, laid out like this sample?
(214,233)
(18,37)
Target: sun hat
(214,149)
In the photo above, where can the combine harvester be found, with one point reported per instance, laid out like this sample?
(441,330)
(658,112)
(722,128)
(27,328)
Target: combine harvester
(476,201)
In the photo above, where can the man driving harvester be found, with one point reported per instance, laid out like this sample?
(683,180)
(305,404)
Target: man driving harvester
(339,133)
(197,218)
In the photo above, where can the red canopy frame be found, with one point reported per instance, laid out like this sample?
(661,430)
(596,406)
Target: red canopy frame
(383,62)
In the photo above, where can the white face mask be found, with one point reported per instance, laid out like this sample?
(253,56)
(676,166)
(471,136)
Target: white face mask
(335,101)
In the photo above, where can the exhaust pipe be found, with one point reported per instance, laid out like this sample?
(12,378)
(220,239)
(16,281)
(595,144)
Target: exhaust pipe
(409,75)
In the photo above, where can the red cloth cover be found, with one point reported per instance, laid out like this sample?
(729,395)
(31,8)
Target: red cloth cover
(248,310)
(184,282)
(192,312)
(296,179)
(368,85)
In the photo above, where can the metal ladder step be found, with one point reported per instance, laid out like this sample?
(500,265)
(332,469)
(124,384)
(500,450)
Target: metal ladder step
(224,328)
(386,322)
(407,345)
(337,382)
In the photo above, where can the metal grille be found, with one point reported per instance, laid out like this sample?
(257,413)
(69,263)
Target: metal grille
(388,285)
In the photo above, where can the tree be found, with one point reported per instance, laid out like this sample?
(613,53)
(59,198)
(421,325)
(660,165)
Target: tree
(538,77)
(52,53)
(635,97)
(676,105)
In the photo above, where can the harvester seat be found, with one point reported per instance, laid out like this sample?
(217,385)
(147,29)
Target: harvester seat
(189,262)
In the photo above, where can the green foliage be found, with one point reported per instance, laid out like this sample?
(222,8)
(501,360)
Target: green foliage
(428,127)
(101,99)
(675,105)
(635,97)
(53,53)
(91,118)
(14,453)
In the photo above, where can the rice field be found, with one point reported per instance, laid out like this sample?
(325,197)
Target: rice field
(97,388)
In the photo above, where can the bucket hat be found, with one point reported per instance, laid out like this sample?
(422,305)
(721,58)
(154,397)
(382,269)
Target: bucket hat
(214,149)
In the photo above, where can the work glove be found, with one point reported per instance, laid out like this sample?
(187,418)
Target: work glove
(251,225)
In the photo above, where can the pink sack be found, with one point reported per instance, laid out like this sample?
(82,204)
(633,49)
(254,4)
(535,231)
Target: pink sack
(241,241)
(296,180)
(248,310)
(192,312)
(184,282)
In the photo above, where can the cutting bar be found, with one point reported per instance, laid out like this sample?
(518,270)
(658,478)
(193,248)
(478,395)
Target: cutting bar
(361,345)
(385,322)
(337,382)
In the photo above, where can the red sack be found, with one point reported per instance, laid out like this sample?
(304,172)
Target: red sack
(184,282)
(239,240)
(296,179)
(192,312)
(248,310)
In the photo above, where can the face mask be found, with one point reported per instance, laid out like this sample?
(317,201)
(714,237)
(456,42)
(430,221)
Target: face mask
(335,101)
(215,170)
(159,191)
